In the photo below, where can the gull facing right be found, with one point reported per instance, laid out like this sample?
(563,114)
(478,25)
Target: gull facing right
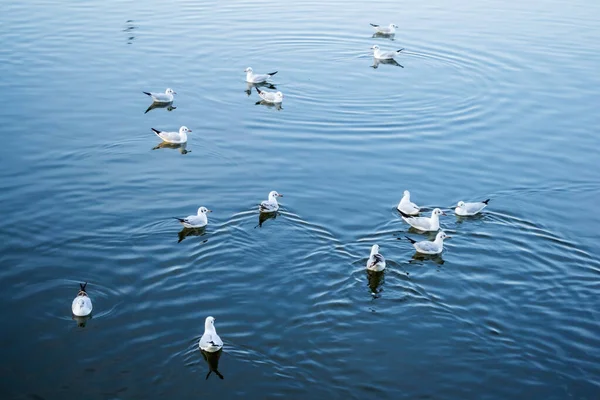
(195,221)
(173,137)
(210,341)
(271,97)
(426,224)
(427,247)
(166,97)
(385,30)
(376,262)
(270,205)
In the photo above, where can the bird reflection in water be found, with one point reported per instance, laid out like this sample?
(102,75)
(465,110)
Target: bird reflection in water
(212,359)
(168,106)
(376,280)
(391,61)
(276,106)
(263,217)
(250,86)
(384,35)
(129,28)
(185,232)
(180,146)
(418,257)
(81,321)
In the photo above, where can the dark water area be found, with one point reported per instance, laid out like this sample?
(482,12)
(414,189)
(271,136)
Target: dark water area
(496,100)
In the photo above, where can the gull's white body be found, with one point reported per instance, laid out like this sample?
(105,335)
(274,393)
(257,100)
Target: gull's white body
(82,304)
(271,204)
(385,30)
(196,221)
(271,97)
(173,137)
(426,224)
(376,261)
(384,55)
(467,209)
(427,247)
(407,207)
(210,341)
(251,77)
(166,97)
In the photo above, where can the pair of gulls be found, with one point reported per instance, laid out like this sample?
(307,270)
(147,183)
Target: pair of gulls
(408,209)
(179,137)
(385,31)
(200,220)
(269,97)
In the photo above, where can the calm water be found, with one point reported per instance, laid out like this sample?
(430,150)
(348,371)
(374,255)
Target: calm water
(496,100)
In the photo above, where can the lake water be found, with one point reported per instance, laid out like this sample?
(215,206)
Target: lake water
(496,99)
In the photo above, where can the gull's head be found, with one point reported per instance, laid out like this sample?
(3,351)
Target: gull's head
(170,91)
(184,129)
(209,323)
(274,194)
(406,194)
(248,70)
(461,204)
(393,26)
(375,47)
(442,235)
(438,212)
(279,95)
(375,249)
(203,210)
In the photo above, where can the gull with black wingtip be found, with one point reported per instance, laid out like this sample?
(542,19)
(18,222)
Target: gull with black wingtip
(195,221)
(426,224)
(467,209)
(428,247)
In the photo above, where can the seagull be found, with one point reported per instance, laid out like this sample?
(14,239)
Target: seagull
(258,78)
(466,209)
(270,205)
(210,341)
(166,97)
(406,207)
(82,304)
(173,137)
(195,221)
(271,97)
(384,55)
(385,30)
(426,224)
(376,262)
(427,247)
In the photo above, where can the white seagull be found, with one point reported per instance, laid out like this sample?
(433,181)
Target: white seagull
(82,304)
(384,55)
(166,97)
(270,205)
(271,97)
(427,247)
(195,221)
(385,30)
(173,137)
(426,224)
(376,262)
(466,209)
(251,77)
(210,341)
(406,207)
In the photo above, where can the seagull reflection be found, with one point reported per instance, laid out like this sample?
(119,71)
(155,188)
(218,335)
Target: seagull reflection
(263,217)
(276,106)
(250,86)
(418,257)
(180,146)
(376,280)
(384,35)
(212,359)
(391,61)
(129,28)
(185,232)
(168,106)
(81,321)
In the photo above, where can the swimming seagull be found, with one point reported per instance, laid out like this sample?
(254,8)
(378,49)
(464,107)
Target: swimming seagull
(173,137)
(210,341)
(466,209)
(426,224)
(195,221)
(257,78)
(384,55)
(376,262)
(82,304)
(427,247)
(270,205)
(385,30)
(271,97)
(406,207)
(166,97)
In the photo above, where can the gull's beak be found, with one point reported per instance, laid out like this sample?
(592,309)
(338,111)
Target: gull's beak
(443,213)
(189,130)
(280,195)
(174,92)
(208,210)
(448,237)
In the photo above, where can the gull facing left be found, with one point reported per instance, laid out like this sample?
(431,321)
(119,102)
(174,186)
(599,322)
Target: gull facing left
(376,262)
(210,341)
(173,137)
(467,209)
(384,55)
(407,207)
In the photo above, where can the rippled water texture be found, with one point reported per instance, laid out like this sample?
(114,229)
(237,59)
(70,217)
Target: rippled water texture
(495,100)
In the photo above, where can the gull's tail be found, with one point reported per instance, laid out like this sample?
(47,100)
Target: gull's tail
(413,241)
(374,25)
(216,372)
(273,73)
(486,201)
(155,131)
(149,94)
(259,91)
(398,51)
(182,220)
(82,286)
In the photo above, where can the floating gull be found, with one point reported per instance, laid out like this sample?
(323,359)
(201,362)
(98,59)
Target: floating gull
(271,97)
(384,55)
(173,137)
(82,304)
(466,209)
(210,341)
(426,224)
(385,30)
(376,261)
(271,205)
(166,97)
(406,207)
(195,221)
(427,247)
(251,77)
